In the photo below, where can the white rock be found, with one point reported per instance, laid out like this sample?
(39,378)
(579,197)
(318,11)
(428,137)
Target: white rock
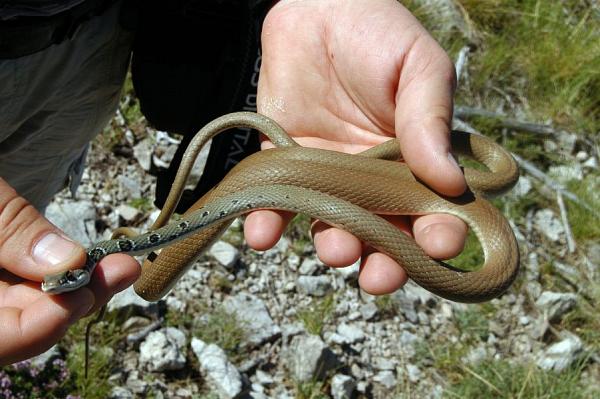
(72,217)
(368,310)
(224,253)
(351,333)
(219,371)
(128,213)
(566,173)
(349,272)
(547,224)
(142,152)
(522,187)
(121,393)
(562,354)
(556,304)
(308,358)
(253,314)
(309,266)
(130,301)
(414,373)
(385,378)
(342,386)
(314,285)
(164,350)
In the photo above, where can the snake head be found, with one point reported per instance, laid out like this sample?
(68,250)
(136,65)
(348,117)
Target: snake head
(65,281)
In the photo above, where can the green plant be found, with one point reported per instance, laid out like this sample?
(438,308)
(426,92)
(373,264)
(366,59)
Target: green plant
(317,314)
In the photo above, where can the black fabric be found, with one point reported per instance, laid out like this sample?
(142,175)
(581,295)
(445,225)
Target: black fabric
(24,36)
(194,61)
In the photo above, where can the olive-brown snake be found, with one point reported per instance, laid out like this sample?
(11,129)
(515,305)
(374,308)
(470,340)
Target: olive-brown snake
(344,191)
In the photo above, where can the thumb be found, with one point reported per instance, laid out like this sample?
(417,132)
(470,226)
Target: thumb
(424,115)
(30,246)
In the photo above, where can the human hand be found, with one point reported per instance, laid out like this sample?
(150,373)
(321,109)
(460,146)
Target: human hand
(31,321)
(346,76)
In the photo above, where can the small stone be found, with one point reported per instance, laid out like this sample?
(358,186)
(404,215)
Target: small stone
(414,373)
(121,393)
(40,361)
(562,354)
(164,350)
(72,217)
(264,378)
(351,333)
(547,224)
(368,310)
(523,187)
(382,363)
(253,314)
(385,378)
(226,254)
(566,173)
(142,152)
(349,272)
(219,371)
(314,285)
(128,301)
(128,213)
(476,356)
(556,304)
(308,358)
(309,266)
(342,386)
(131,187)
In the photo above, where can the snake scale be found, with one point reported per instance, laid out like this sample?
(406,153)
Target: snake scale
(343,190)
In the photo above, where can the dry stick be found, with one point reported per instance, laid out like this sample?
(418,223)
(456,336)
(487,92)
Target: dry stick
(538,174)
(461,61)
(470,112)
(565,221)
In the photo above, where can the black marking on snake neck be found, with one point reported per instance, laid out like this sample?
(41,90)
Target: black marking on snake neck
(183,225)
(205,214)
(125,245)
(153,238)
(97,253)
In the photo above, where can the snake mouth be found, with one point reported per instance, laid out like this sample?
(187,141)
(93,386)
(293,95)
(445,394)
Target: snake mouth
(65,281)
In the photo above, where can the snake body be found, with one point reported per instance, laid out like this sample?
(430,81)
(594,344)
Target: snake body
(343,190)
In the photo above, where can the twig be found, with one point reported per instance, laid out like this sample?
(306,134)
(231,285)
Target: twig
(565,221)
(538,174)
(461,61)
(469,112)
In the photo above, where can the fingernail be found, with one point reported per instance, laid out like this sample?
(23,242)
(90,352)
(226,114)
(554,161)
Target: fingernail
(53,249)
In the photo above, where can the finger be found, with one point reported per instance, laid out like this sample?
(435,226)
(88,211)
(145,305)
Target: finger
(30,246)
(263,229)
(335,247)
(113,274)
(338,248)
(441,236)
(34,328)
(380,274)
(424,114)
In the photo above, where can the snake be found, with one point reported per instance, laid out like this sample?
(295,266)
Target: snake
(353,192)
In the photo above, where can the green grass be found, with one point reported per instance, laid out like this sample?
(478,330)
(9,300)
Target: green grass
(317,314)
(502,379)
(223,329)
(584,225)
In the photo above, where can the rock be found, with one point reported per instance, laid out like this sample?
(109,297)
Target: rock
(385,378)
(128,213)
(128,301)
(76,219)
(475,356)
(252,312)
(382,363)
(164,350)
(41,360)
(556,304)
(562,354)
(342,386)
(226,254)
(263,378)
(368,310)
(314,285)
(522,187)
(121,393)
(219,371)
(308,358)
(309,266)
(349,272)
(414,373)
(142,152)
(410,297)
(131,188)
(351,333)
(547,224)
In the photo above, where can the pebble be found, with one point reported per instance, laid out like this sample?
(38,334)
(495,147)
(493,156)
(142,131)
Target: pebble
(219,371)
(252,312)
(342,386)
(163,350)
(226,254)
(562,354)
(308,358)
(556,304)
(318,286)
